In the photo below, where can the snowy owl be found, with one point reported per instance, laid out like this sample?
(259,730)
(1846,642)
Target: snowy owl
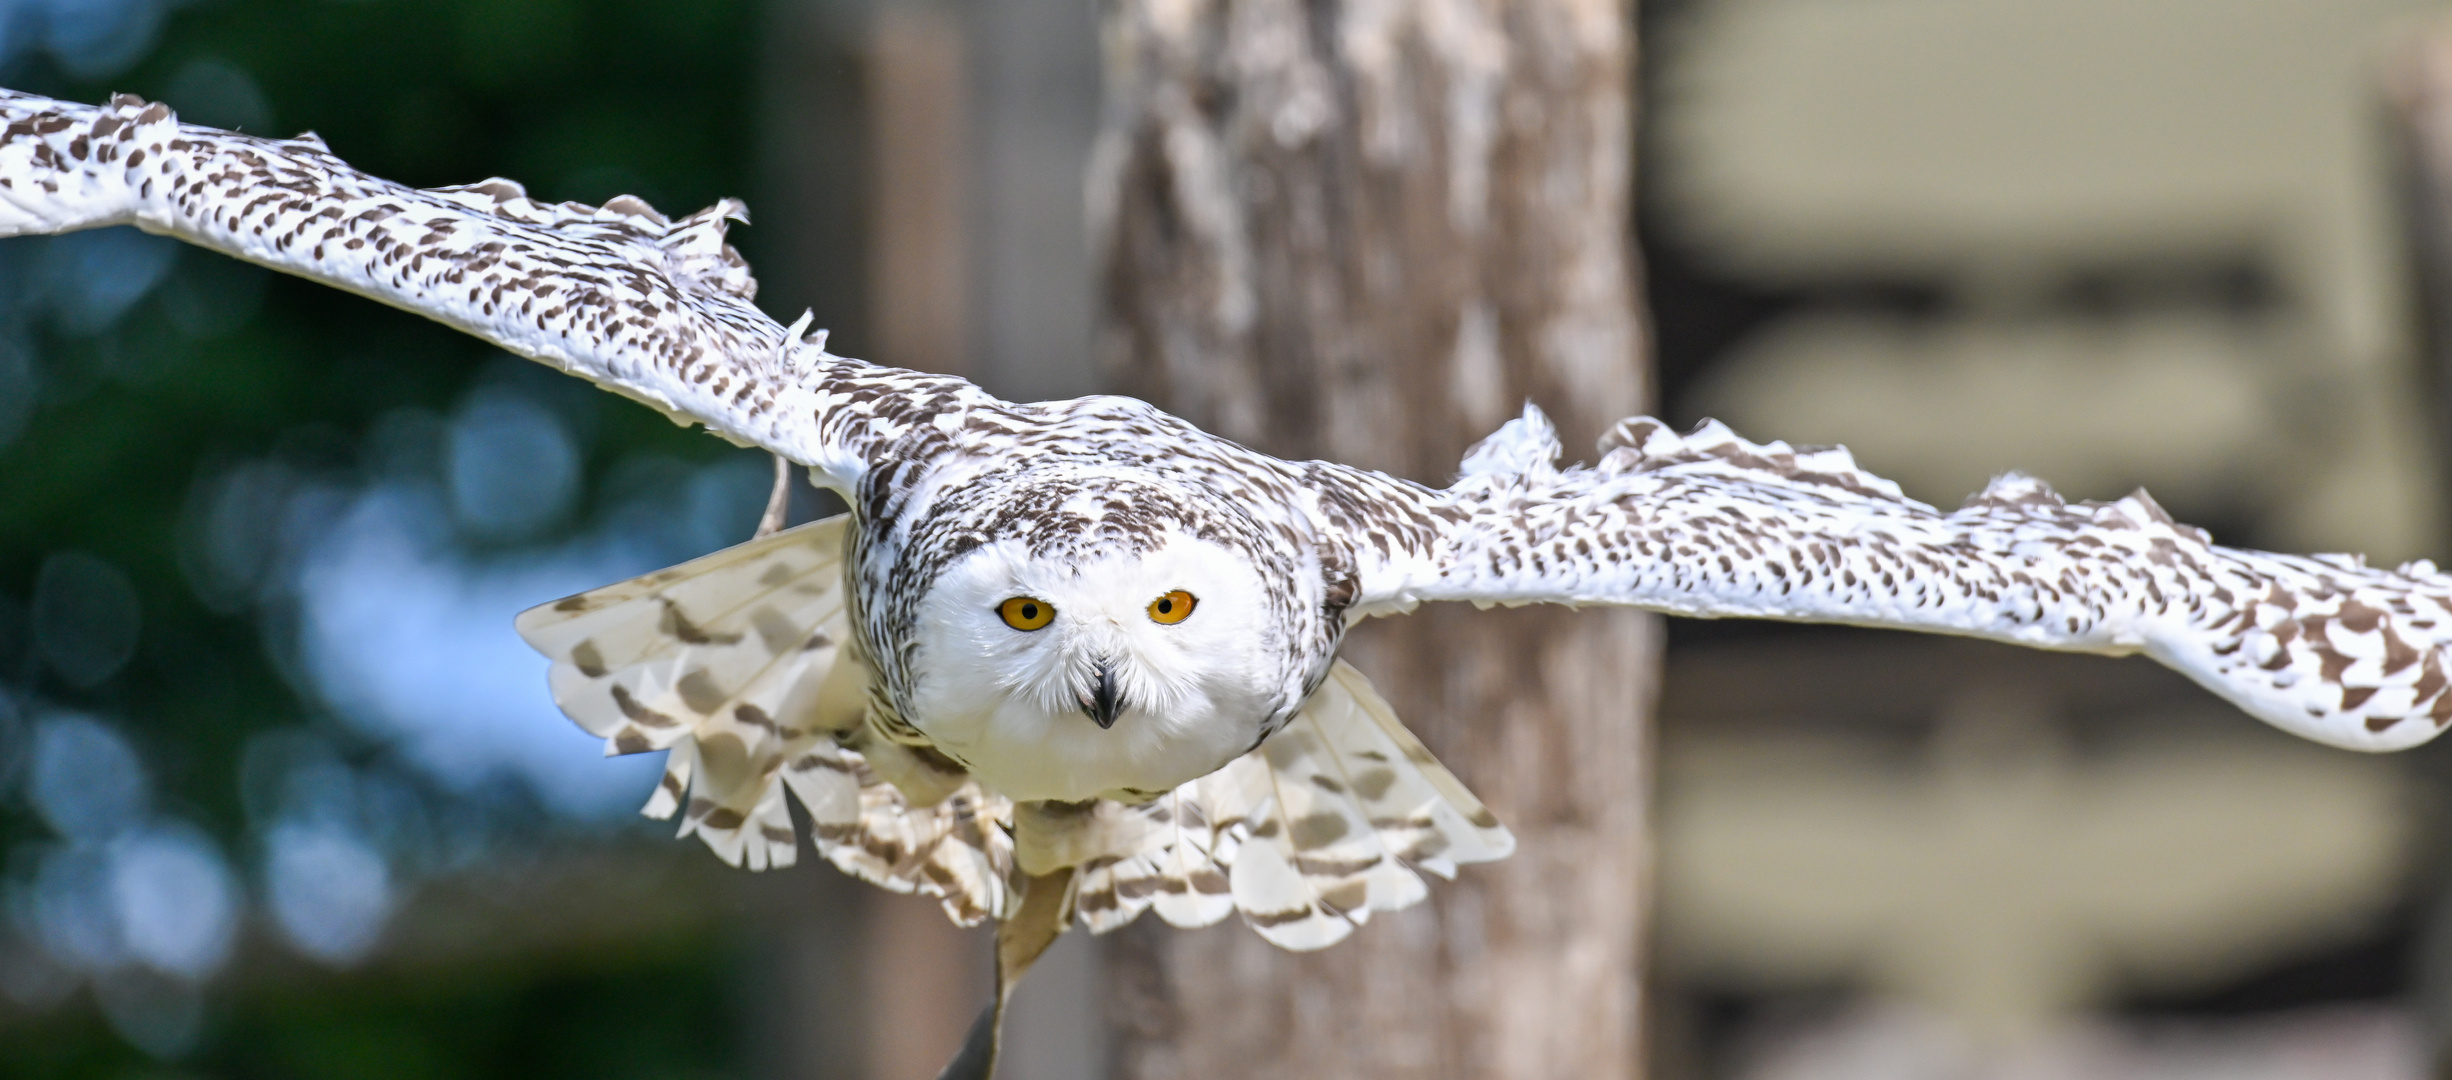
(1066,662)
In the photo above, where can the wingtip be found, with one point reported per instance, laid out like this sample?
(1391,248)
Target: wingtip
(633,206)
(1502,843)
(531,623)
(1525,446)
(2016,490)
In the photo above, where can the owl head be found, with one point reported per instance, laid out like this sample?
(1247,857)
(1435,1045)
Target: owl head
(1103,634)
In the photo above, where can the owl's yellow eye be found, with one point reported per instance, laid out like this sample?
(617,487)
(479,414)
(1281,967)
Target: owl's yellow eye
(1026,613)
(1172,608)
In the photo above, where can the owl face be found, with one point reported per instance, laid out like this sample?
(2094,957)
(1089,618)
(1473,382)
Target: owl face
(1123,673)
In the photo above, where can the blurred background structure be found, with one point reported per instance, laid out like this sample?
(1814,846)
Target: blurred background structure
(281,795)
(2111,244)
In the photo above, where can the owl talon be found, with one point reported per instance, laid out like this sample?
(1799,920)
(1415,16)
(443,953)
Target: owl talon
(778,502)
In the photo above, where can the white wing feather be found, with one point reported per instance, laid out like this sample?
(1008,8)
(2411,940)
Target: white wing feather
(1710,525)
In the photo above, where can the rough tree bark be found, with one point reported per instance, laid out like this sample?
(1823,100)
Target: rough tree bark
(1367,230)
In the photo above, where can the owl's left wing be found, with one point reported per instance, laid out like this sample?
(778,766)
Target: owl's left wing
(650,308)
(1710,525)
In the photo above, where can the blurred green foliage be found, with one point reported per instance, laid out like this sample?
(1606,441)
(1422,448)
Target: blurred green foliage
(659,1013)
(224,362)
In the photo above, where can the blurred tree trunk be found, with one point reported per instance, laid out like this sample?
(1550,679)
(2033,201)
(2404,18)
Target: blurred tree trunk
(1367,231)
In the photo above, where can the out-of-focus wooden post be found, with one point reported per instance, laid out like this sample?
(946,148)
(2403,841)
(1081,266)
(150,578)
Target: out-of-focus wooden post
(919,206)
(1369,231)
(924,978)
(2418,85)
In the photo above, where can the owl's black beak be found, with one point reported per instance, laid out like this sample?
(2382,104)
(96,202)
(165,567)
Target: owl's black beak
(1103,703)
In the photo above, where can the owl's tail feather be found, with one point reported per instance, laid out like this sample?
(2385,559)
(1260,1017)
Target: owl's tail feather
(1332,818)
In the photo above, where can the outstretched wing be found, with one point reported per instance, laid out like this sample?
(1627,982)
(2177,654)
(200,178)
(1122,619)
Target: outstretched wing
(1708,524)
(736,664)
(1326,822)
(655,309)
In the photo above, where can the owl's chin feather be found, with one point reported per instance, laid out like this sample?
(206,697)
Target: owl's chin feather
(1025,753)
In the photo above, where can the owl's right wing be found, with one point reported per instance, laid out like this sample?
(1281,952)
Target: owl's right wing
(739,664)
(650,308)
(1711,525)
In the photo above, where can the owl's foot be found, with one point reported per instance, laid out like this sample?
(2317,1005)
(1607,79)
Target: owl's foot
(778,502)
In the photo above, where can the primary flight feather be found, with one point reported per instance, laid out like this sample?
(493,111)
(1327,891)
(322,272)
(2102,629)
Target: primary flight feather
(1083,641)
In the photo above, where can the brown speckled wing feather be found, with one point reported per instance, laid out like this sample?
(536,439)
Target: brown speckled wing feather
(656,309)
(1708,524)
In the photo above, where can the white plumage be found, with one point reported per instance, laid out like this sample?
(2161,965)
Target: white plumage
(1198,758)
